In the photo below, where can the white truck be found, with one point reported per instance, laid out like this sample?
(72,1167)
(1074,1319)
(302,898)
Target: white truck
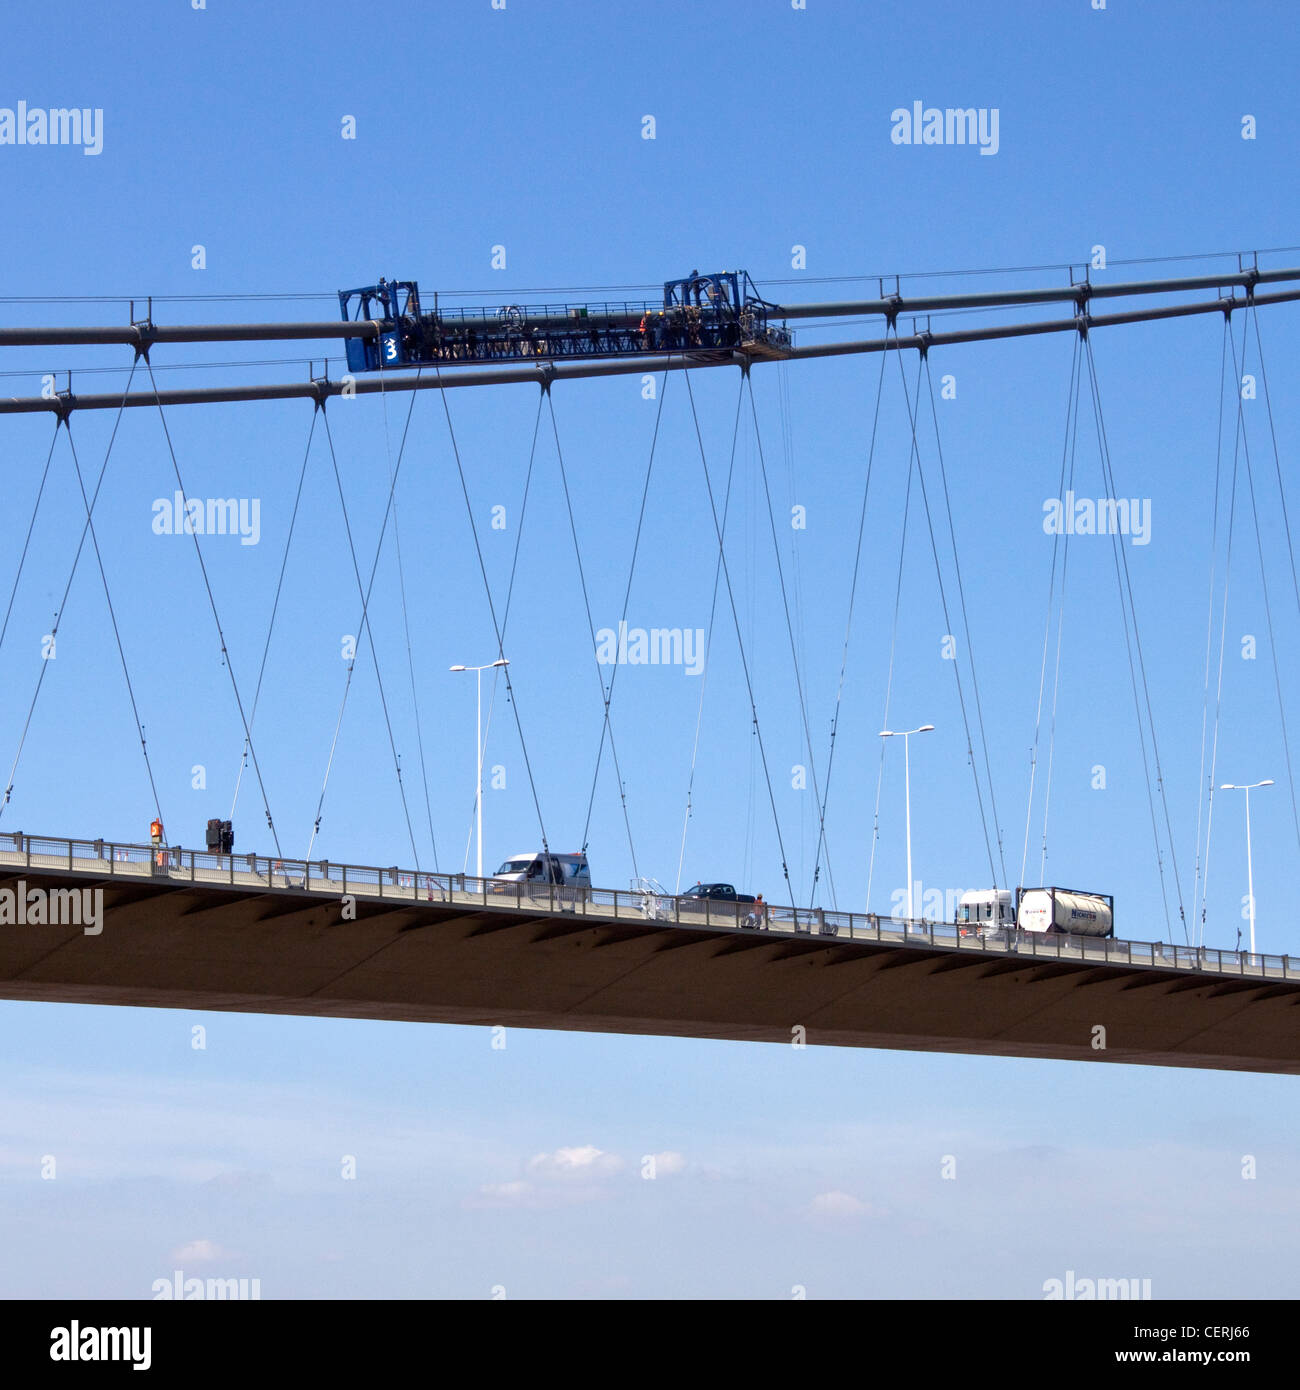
(568,874)
(983,911)
(989,911)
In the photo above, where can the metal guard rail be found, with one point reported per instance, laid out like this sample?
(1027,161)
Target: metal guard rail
(174,863)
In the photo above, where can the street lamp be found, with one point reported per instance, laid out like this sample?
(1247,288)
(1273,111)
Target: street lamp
(905,734)
(478,795)
(1250,872)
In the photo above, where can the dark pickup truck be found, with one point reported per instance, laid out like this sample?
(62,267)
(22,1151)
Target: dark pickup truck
(718,892)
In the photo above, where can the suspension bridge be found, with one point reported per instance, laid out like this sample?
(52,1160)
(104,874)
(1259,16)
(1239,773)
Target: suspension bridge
(267,933)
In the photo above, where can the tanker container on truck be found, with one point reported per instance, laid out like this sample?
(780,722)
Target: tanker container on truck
(1064,910)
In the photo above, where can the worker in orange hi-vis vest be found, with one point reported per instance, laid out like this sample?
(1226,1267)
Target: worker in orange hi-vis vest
(156,839)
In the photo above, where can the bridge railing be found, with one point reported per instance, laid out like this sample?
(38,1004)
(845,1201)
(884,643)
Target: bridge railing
(176,864)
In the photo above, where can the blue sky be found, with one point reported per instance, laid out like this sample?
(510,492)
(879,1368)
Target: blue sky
(478,128)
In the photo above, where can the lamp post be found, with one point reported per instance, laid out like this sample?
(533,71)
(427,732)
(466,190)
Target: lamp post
(906,734)
(1250,870)
(478,794)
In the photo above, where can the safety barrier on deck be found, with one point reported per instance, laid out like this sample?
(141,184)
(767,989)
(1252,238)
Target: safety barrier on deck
(104,858)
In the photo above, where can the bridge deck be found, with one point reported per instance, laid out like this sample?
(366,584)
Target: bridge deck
(251,934)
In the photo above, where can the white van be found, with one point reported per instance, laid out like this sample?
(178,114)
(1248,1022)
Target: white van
(983,911)
(538,871)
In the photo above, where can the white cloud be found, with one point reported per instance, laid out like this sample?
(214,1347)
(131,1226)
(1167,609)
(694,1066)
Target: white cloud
(840,1205)
(584,1162)
(668,1162)
(198,1252)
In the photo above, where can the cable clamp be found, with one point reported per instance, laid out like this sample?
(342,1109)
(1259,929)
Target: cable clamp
(144,329)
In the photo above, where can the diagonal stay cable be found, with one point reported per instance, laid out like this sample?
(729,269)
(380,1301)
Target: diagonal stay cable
(112,614)
(889,674)
(1126,586)
(947,621)
(275,606)
(1263,577)
(1071,413)
(848,621)
(740,640)
(1205,795)
(591,628)
(496,625)
(965,619)
(363,627)
(505,612)
(1060,633)
(794,651)
(1277,458)
(67,589)
(366,630)
(708,640)
(1223,635)
(22,558)
(216,617)
(627,596)
(406,628)
(415,698)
